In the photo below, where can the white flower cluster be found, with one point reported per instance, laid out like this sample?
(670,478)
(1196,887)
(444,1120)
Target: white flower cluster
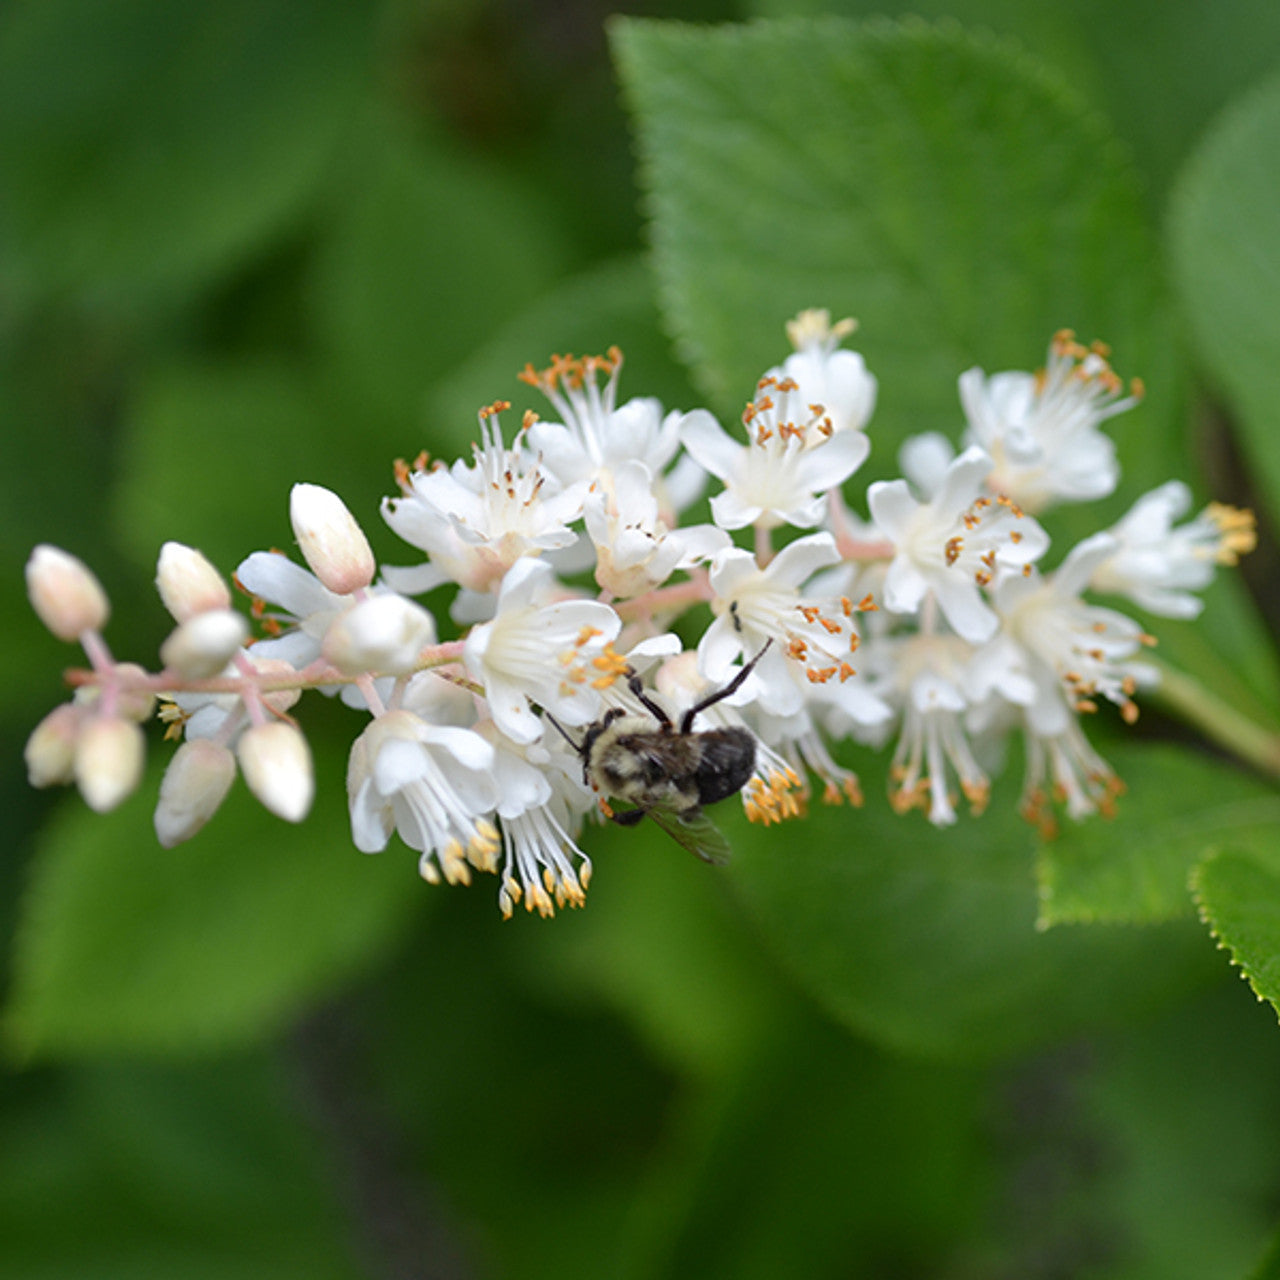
(930,622)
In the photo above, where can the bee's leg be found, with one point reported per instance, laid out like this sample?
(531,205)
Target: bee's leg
(686,721)
(636,687)
(627,818)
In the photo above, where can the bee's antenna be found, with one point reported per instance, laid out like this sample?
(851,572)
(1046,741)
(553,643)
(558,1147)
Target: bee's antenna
(563,733)
(686,722)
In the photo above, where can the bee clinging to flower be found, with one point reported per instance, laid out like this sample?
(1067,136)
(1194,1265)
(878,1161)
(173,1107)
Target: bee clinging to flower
(666,771)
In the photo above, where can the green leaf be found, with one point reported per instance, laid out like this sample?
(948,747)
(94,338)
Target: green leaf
(1181,1112)
(659,942)
(210,451)
(1134,868)
(1238,892)
(243,429)
(611,304)
(940,187)
(1128,58)
(427,251)
(205,1171)
(1268,1267)
(149,145)
(820,1152)
(926,939)
(1225,240)
(222,940)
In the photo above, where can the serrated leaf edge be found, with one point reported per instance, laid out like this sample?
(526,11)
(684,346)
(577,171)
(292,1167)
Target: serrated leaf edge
(1206,918)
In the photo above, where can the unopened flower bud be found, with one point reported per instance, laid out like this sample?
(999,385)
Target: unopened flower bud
(188,583)
(276,763)
(331,541)
(194,785)
(136,703)
(383,634)
(66,595)
(109,759)
(204,643)
(51,749)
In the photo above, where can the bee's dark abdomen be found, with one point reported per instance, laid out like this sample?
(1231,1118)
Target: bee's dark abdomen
(726,761)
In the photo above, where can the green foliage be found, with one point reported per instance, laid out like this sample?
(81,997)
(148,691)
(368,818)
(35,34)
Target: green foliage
(1135,870)
(127,946)
(883,171)
(1224,226)
(150,146)
(202,1171)
(250,244)
(926,940)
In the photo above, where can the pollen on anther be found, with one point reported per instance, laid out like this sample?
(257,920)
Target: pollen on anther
(612,666)
(953,548)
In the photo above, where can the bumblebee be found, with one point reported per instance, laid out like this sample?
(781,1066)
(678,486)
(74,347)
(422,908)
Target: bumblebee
(668,772)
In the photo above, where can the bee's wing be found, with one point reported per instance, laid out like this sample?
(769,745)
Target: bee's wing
(696,832)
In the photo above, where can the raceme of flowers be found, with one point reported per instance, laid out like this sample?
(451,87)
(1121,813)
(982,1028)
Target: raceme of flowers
(932,626)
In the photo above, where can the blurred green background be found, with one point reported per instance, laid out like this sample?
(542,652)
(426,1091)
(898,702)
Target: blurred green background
(259,242)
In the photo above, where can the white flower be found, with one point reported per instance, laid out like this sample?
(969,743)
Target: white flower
(204,643)
(307,607)
(276,763)
(432,783)
(384,633)
(793,456)
(50,751)
(1080,651)
(330,540)
(188,583)
(65,594)
(789,749)
(595,435)
(931,678)
(952,546)
(541,800)
(813,639)
(1158,566)
(194,785)
(635,549)
(541,652)
(924,460)
(826,375)
(109,756)
(1062,766)
(474,522)
(1041,430)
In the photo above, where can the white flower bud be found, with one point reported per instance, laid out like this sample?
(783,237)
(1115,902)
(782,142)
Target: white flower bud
(383,634)
(330,539)
(66,595)
(276,763)
(204,643)
(194,785)
(135,704)
(51,749)
(188,583)
(109,758)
